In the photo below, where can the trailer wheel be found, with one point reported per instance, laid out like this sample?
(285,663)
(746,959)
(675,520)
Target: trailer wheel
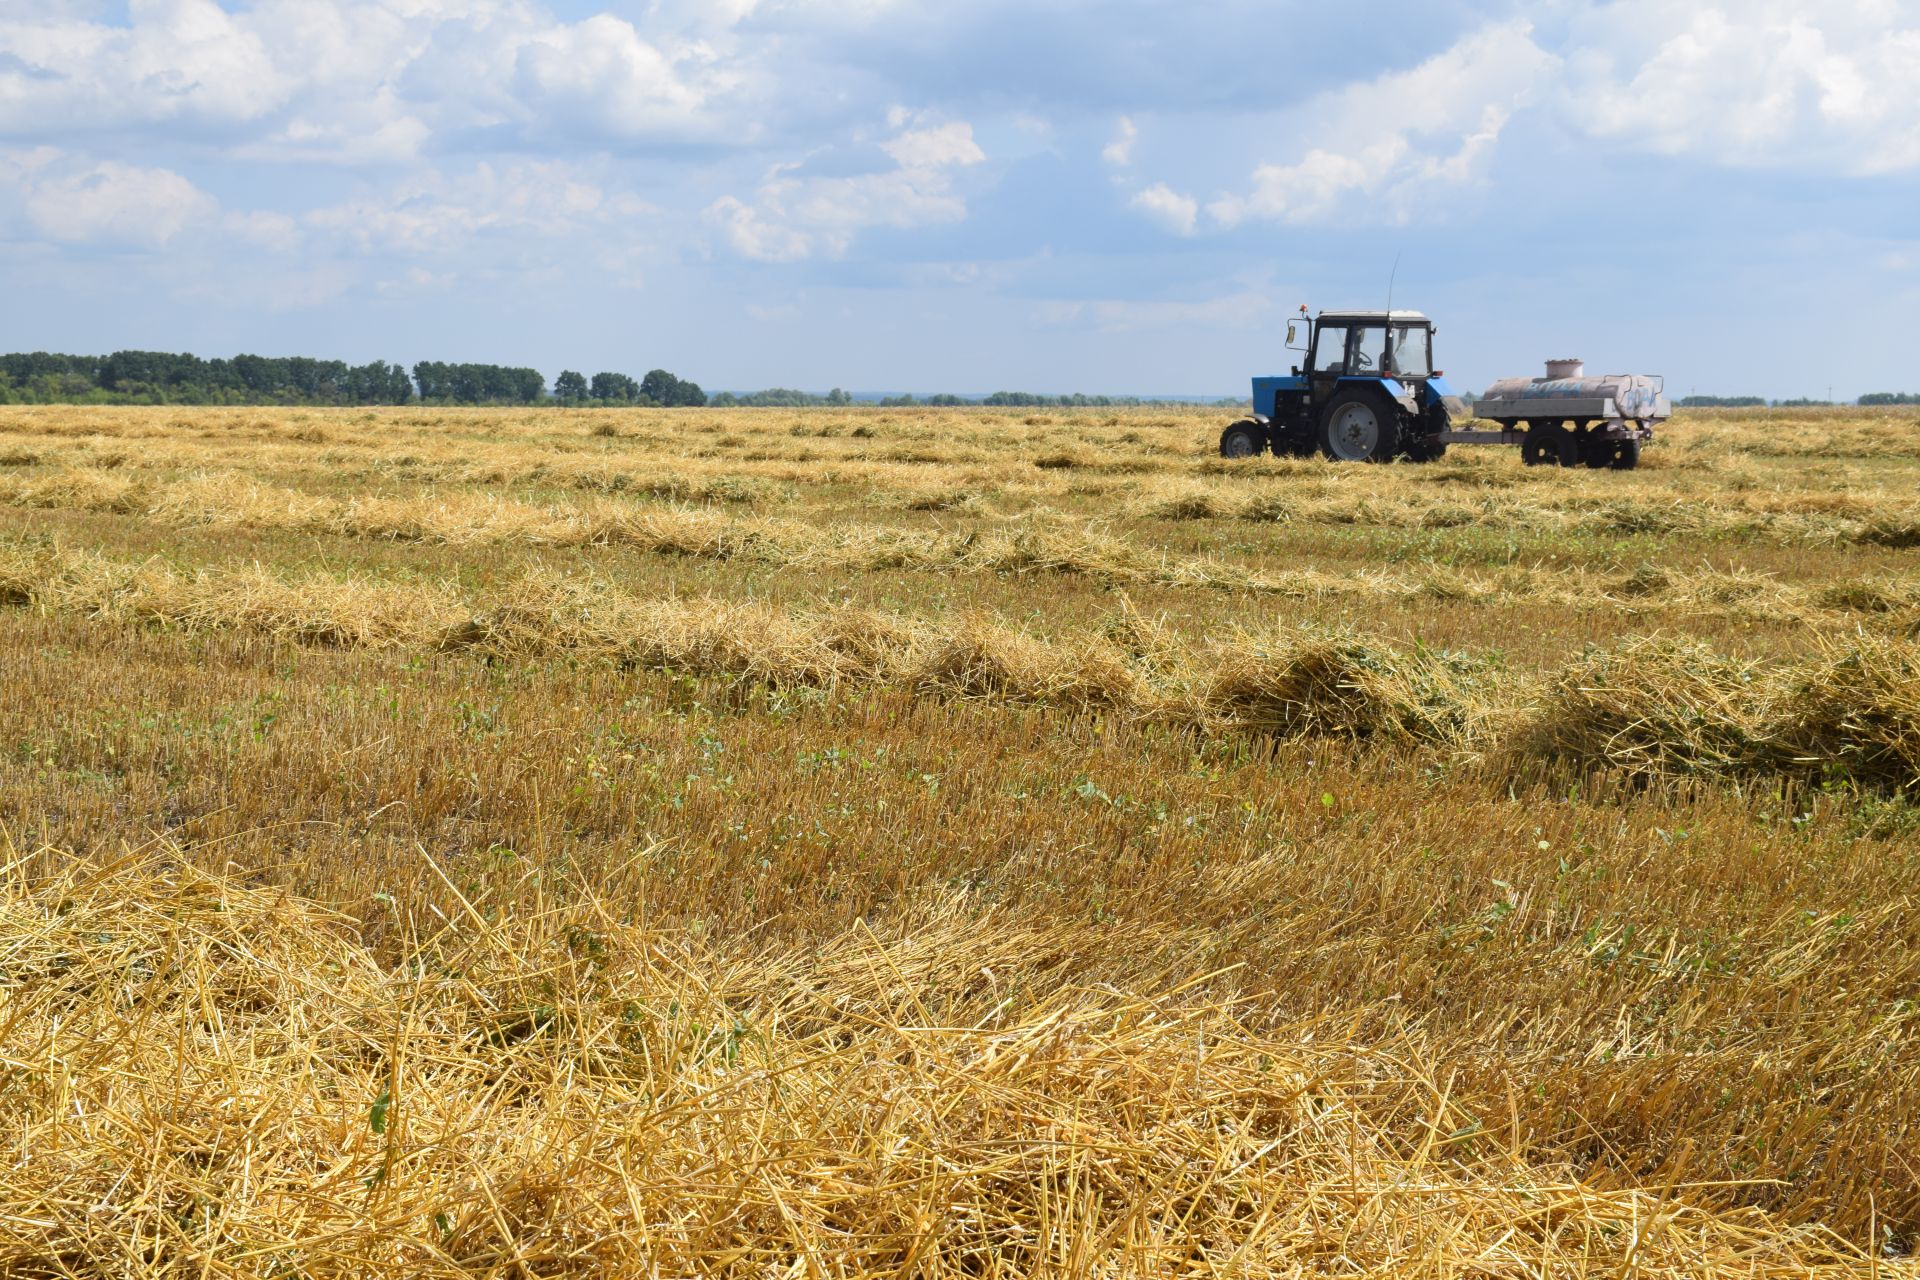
(1243,440)
(1426,449)
(1597,449)
(1357,428)
(1627,456)
(1533,451)
(1548,444)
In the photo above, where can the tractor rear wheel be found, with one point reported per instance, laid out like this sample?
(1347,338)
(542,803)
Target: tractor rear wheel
(1358,428)
(1243,440)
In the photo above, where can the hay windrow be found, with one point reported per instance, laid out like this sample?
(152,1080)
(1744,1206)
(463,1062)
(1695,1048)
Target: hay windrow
(1036,544)
(1646,706)
(1340,685)
(560,1094)
(1851,713)
(1658,707)
(1654,706)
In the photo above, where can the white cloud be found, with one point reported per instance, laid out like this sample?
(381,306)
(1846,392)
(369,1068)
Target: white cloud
(754,236)
(379,130)
(602,74)
(433,213)
(1119,152)
(175,60)
(356,80)
(793,217)
(1176,212)
(73,200)
(1399,137)
(943,147)
(1764,83)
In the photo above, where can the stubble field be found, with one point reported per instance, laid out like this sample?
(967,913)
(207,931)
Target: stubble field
(952,842)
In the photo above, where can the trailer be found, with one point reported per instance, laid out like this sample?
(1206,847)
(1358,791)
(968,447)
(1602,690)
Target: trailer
(1569,419)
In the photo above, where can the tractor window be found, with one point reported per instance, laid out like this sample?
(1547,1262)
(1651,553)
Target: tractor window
(1330,349)
(1366,352)
(1412,353)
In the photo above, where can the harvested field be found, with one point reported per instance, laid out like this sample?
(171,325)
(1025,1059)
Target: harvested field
(859,842)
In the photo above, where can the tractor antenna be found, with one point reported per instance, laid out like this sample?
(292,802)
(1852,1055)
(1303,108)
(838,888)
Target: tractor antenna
(1391,276)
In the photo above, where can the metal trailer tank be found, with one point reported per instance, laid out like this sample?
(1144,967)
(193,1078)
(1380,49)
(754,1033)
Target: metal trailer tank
(1572,419)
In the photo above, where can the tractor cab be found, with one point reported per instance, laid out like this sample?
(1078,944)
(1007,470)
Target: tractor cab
(1372,344)
(1366,390)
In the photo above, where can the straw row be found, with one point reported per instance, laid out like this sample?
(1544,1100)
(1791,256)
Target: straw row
(1424,503)
(1714,481)
(1652,706)
(205,1078)
(1017,547)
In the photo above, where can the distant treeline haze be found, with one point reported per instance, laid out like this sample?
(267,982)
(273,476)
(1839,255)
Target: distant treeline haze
(1761,402)
(163,377)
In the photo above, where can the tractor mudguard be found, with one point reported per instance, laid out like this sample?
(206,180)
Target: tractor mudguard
(1392,387)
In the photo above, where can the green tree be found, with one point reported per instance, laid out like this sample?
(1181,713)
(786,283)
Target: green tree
(614,388)
(658,386)
(663,388)
(570,387)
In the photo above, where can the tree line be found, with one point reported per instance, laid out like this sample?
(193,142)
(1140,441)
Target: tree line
(787,398)
(1761,402)
(659,389)
(164,377)
(161,377)
(781,398)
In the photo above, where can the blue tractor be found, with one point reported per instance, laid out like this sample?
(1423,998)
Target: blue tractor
(1366,391)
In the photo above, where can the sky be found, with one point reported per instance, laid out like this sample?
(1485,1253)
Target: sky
(968,195)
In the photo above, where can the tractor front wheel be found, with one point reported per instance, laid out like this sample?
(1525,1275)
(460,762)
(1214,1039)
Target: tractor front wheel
(1358,428)
(1243,440)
